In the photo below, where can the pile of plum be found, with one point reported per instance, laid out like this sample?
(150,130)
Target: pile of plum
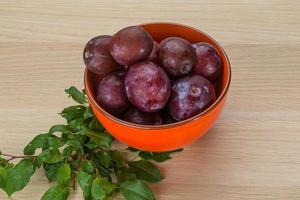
(149,83)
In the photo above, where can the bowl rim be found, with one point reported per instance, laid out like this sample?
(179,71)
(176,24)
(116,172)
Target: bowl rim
(175,124)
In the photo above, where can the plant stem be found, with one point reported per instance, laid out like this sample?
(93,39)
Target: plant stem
(15,157)
(73,180)
(134,158)
(97,172)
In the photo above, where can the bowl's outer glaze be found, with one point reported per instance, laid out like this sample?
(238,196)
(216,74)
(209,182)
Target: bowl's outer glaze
(165,137)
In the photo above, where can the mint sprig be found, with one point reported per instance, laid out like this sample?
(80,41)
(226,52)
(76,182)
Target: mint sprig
(80,152)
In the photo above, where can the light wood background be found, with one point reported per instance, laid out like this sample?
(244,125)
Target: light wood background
(253,152)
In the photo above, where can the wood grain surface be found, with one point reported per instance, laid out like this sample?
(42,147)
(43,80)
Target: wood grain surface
(253,151)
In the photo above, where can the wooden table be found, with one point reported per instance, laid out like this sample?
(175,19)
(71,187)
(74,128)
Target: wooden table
(253,150)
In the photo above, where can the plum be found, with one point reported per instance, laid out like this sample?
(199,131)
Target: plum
(139,117)
(111,94)
(190,96)
(208,61)
(177,56)
(96,55)
(147,86)
(131,45)
(153,56)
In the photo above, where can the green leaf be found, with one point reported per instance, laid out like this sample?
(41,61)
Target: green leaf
(88,113)
(104,158)
(85,181)
(104,172)
(124,175)
(49,156)
(77,124)
(37,142)
(67,152)
(73,112)
(55,142)
(3,162)
(76,163)
(76,145)
(102,139)
(18,177)
(59,128)
(51,170)
(82,139)
(136,190)
(87,166)
(91,145)
(158,156)
(66,136)
(101,169)
(132,149)
(145,155)
(145,170)
(57,192)
(95,125)
(101,187)
(163,156)
(76,95)
(64,175)
(3,175)
(117,158)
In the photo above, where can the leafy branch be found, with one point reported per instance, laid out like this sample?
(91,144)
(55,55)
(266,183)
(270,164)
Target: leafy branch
(12,157)
(80,152)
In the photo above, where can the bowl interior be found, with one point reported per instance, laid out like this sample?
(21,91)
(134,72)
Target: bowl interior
(160,31)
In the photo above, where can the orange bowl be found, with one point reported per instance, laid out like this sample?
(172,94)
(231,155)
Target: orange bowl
(169,136)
